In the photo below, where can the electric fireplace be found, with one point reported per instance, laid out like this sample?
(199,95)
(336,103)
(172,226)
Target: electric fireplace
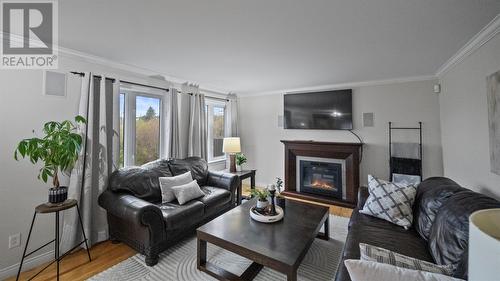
(321,176)
(329,187)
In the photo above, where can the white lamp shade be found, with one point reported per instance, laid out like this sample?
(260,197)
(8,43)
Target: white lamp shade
(231,145)
(484,245)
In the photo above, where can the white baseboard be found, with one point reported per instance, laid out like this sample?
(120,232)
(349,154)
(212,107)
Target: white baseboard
(28,264)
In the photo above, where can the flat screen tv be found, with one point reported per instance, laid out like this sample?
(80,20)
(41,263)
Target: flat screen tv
(328,110)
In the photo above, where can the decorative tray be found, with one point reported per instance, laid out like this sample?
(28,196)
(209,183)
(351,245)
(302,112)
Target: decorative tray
(264,216)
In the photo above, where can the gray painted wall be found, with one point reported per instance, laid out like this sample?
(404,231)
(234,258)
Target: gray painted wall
(24,107)
(464,120)
(403,103)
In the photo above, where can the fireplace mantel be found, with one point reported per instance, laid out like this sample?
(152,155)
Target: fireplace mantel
(349,152)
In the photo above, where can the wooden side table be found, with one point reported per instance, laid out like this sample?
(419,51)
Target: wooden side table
(47,208)
(244,175)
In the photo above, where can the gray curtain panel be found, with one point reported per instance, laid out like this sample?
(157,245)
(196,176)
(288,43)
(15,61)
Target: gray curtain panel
(172,129)
(232,116)
(97,160)
(198,133)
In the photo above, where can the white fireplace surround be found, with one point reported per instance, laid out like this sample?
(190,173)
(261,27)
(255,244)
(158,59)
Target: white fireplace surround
(324,160)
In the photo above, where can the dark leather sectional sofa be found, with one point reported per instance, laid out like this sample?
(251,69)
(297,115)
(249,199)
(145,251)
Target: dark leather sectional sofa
(440,227)
(137,217)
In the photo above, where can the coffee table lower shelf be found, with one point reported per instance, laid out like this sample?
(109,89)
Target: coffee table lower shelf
(222,274)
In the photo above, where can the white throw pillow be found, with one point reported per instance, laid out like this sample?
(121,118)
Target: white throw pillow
(373,271)
(187,192)
(166,184)
(390,201)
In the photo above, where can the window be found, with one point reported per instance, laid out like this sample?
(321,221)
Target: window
(216,112)
(140,138)
(147,129)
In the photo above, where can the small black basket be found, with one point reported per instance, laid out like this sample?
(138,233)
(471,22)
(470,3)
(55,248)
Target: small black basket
(58,195)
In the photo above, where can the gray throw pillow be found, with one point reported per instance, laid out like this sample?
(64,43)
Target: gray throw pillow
(187,192)
(377,254)
(166,184)
(390,201)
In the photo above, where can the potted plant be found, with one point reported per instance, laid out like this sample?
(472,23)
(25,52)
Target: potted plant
(240,160)
(261,195)
(280,199)
(58,150)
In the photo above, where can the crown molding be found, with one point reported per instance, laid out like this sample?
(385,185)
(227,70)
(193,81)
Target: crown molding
(74,54)
(133,69)
(70,53)
(481,38)
(343,85)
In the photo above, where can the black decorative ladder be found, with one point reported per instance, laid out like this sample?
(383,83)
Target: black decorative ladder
(416,164)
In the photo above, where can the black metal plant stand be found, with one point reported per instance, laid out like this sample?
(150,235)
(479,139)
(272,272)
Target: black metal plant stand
(47,208)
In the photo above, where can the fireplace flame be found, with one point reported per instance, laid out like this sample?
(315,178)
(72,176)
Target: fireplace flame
(321,184)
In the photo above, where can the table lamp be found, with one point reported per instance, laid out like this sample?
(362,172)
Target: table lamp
(231,146)
(484,245)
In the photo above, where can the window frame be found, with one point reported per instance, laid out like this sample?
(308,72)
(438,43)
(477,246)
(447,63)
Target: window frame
(210,103)
(129,126)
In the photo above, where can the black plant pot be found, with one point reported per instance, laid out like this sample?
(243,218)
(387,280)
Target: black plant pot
(280,201)
(58,195)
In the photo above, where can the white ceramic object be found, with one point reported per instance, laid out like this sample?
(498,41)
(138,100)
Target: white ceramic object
(484,245)
(267,219)
(262,204)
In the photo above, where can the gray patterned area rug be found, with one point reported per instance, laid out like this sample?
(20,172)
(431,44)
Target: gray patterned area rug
(179,262)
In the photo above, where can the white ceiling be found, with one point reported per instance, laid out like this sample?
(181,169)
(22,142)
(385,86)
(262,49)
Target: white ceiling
(257,46)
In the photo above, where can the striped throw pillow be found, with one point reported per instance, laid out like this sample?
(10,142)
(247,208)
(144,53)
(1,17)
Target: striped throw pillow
(381,255)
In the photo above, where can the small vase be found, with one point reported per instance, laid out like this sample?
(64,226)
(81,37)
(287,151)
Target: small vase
(58,195)
(238,168)
(262,204)
(280,201)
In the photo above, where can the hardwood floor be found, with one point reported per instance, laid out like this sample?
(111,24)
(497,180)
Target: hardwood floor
(334,210)
(76,266)
(106,254)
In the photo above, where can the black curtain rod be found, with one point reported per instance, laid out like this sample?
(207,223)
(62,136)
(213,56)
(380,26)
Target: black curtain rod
(138,84)
(215,98)
(124,81)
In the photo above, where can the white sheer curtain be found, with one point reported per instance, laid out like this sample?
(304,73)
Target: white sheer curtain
(232,116)
(98,158)
(198,133)
(173,149)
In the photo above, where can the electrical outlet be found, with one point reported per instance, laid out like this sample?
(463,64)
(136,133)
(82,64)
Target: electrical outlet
(14,240)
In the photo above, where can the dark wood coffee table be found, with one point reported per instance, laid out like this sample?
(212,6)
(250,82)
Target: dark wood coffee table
(280,246)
